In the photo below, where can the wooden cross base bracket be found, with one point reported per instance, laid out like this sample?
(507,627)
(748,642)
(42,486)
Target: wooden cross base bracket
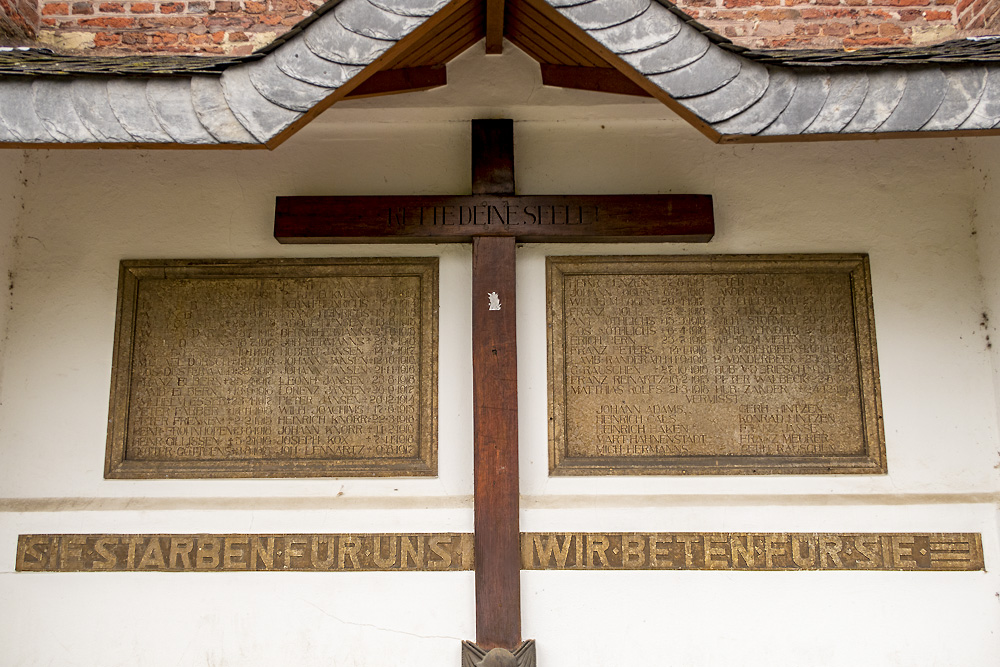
(522,656)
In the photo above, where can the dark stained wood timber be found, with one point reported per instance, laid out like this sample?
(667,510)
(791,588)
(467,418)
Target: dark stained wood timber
(494,390)
(494,219)
(494,381)
(535,218)
(493,157)
(494,26)
(600,79)
(406,80)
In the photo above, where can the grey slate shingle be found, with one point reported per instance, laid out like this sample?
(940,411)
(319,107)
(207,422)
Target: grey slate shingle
(47,98)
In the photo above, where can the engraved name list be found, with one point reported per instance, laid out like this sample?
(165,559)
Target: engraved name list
(281,369)
(721,365)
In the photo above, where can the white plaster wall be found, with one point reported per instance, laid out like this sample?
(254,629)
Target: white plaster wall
(11,199)
(986,225)
(907,203)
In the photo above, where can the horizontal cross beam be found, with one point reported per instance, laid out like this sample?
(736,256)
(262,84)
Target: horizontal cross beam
(535,218)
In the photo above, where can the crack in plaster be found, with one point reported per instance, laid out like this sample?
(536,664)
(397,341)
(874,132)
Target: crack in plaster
(378,627)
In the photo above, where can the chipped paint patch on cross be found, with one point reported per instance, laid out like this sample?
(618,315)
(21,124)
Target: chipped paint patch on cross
(494,300)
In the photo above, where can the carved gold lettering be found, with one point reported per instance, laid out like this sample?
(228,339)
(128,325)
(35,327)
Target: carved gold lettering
(108,558)
(830,547)
(711,562)
(548,549)
(633,550)
(133,543)
(774,545)
(71,552)
(411,548)
(902,552)
(180,553)
(597,545)
(207,553)
(390,560)
(687,541)
(867,545)
(262,551)
(437,543)
(742,550)
(655,552)
(233,552)
(317,562)
(29,555)
(152,557)
(803,552)
(293,548)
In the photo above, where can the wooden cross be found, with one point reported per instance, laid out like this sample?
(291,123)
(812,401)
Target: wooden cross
(494,219)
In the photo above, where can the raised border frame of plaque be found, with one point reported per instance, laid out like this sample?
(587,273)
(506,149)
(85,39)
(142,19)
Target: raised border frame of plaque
(240,395)
(713,365)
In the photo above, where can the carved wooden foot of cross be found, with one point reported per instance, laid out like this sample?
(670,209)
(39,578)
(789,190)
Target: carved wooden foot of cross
(494,219)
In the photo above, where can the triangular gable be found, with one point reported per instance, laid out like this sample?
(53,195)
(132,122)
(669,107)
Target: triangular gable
(646,45)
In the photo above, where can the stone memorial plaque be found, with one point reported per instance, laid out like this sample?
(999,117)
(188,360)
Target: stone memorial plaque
(747,365)
(275,368)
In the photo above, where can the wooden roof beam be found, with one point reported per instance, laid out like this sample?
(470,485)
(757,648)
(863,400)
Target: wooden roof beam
(600,79)
(494,26)
(404,80)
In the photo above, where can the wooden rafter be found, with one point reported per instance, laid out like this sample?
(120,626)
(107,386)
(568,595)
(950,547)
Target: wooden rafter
(494,26)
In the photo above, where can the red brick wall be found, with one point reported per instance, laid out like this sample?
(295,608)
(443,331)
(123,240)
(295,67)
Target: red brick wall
(18,22)
(240,26)
(195,26)
(831,23)
(979,14)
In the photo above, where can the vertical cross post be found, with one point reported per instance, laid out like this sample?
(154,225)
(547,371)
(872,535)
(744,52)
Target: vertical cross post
(494,373)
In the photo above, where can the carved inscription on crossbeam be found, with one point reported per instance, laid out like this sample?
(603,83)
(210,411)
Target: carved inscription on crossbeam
(713,365)
(751,551)
(269,368)
(440,219)
(232,553)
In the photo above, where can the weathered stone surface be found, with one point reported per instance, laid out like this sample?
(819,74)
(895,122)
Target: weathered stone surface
(885,89)
(736,96)
(924,92)
(329,39)
(656,26)
(779,93)
(262,117)
(170,100)
(710,72)
(965,86)
(282,89)
(275,368)
(712,365)
(600,14)
(353,552)
(364,18)
(213,112)
(811,91)
(686,47)
(411,7)
(847,92)
(93,108)
(987,111)
(17,110)
(128,101)
(56,112)
(296,60)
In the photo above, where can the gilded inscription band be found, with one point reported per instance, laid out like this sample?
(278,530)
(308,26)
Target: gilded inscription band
(387,552)
(216,553)
(752,551)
